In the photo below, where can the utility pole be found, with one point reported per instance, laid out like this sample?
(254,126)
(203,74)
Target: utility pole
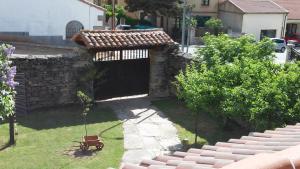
(113,20)
(189,31)
(183,25)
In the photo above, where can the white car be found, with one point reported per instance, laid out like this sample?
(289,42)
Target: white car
(123,27)
(280,44)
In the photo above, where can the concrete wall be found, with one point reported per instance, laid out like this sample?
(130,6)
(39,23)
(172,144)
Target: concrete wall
(165,63)
(46,18)
(232,21)
(53,80)
(254,23)
(231,16)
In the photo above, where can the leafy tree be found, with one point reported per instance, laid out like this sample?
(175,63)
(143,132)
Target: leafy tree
(237,79)
(225,49)
(7,89)
(154,7)
(119,11)
(214,24)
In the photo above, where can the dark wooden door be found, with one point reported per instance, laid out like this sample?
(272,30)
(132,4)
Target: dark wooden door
(122,78)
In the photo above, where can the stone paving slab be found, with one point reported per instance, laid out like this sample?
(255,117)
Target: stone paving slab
(147,131)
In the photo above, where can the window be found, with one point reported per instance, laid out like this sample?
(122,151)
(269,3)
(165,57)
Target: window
(72,28)
(268,33)
(278,41)
(291,30)
(205,3)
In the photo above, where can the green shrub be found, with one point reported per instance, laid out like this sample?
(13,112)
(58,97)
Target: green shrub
(237,79)
(214,24)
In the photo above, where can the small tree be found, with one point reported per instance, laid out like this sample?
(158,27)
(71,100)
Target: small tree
(119,11)
(7,89)
(87,104)
(214,24)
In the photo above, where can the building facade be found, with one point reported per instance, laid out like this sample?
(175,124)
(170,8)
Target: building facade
(203,10)
(53,20)
(258,18)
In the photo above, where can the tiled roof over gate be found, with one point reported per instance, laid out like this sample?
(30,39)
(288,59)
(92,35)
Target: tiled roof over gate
(273,149)
(104,40)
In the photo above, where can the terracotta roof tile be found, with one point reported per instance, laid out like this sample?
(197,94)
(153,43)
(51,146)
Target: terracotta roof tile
(292,6)
(278,149)
(104,40)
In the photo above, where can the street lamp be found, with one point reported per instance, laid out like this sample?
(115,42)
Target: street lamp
(113,20)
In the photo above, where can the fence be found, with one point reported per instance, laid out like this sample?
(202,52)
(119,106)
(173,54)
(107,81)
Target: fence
(122,55)
(295,54)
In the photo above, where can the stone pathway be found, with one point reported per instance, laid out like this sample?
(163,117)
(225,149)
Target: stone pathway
(147,132)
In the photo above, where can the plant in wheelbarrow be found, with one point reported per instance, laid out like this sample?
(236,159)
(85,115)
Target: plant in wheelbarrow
(88,141)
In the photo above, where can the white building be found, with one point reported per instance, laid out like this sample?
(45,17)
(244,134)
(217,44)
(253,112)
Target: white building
(48,19)
(259,18)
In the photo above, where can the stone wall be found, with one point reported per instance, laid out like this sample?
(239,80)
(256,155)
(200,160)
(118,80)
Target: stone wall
(165,63)
(177,61)
(52,80)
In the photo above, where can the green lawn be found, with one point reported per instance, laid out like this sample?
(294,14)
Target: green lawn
(210,129)
(45,140)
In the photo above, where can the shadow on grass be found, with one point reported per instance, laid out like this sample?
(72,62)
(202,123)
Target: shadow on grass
(76,152)
(64,117)
(210,129)
(5,146)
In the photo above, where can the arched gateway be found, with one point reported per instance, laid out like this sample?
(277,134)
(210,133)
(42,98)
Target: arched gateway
(132,61)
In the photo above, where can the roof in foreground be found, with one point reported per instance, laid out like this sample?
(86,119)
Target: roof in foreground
(273,149)
(258,6)
(292,5)
(104,40)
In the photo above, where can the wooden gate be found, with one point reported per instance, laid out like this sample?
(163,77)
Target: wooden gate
(124,73)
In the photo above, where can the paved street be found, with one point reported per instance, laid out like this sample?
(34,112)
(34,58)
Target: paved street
(147,132)
(280,57)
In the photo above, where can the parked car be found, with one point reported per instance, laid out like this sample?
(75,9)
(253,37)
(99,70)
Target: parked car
(143,27)
(123,27)
(280,44)
(296,43)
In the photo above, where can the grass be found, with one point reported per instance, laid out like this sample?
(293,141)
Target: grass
(46,139)
(210,130)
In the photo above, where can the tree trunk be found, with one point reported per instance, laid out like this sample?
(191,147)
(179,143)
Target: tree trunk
(12,129)
(196,128)
(85,126)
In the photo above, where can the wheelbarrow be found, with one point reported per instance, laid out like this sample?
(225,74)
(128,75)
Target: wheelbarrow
(88,141)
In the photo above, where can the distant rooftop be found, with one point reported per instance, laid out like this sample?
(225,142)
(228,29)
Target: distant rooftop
(257,6)
(293,6)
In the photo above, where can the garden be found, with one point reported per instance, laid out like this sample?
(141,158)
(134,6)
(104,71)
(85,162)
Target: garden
(51,138)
